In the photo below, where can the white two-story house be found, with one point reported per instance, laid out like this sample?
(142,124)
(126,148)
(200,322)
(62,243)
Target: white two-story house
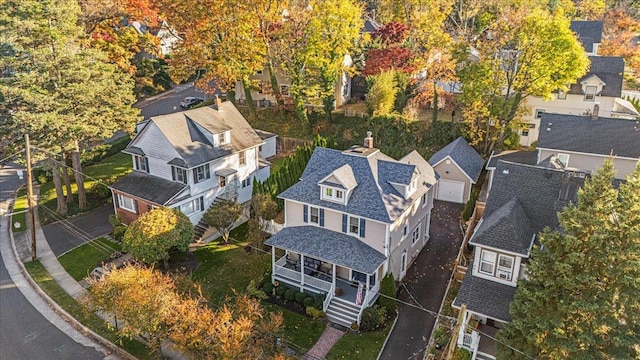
(354,216)
(524,199)
(187,160)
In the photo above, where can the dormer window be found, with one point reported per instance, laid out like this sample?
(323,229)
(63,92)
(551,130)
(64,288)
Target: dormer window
(221,139)
(141,163)
(333,194)
(590,93)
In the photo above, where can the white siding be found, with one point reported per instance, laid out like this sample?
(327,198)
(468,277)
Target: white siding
(157,149)
(592,162)
(572,105)
(269,147)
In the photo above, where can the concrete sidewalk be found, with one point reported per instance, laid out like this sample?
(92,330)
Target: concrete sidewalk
(21,245)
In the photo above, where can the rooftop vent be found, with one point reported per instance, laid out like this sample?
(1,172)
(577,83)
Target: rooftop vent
(505,171)
(549,126)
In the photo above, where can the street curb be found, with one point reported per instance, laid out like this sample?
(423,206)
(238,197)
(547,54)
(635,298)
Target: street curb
(388,335)
(61,312)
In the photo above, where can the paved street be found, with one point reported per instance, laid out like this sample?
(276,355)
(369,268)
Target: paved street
(169,102)
(426,283)
(27,332)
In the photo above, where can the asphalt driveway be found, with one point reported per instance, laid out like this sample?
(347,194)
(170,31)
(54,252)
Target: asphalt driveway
(63,236)
(426,283)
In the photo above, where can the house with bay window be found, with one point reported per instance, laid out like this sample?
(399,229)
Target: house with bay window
(524,199)
(354,216)
(188,160)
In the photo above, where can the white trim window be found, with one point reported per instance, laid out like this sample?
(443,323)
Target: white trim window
(242,158)
(127,203)
(354,225)
(246,182)
(221,139)
(403,263)
(179,174)
(331,194)
(201,173)
(141,163)
(415,235)
(314,215)
(564,159)
(505,267)
(284,90)
(590,93)
(193,206)
(423,200)
(562,95)
(538,113)
(487,262)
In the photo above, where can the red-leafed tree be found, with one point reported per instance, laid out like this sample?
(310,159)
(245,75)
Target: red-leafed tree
(388,51)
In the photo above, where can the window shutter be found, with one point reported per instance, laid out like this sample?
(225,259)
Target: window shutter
(345,218)
(146,162)
(201,203)
(195,176)
(362,222)
(173,173)
(305,213)
(135,205)
(206,169)
(322,217)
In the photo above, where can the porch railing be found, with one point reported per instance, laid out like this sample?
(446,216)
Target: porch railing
(468,340)
(288,273)
(367,297)
(327,300)
(317,283)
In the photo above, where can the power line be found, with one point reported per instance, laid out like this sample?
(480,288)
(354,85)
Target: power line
(12,155)
(99,181)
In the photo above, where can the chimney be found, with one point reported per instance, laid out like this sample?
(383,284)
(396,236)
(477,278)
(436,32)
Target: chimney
(218,102)
(596,110)
(368,141)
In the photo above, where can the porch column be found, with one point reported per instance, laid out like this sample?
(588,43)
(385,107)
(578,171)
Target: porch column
(273,262)
(333,275)
(301,272)
(367,291)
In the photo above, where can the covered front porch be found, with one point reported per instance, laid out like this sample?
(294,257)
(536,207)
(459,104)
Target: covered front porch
(317,260)
(478,336)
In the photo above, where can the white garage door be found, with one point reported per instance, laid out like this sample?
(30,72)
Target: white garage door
(449,190)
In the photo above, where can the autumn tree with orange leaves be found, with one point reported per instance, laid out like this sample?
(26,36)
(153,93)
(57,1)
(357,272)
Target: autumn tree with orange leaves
(619,31)
(150,304)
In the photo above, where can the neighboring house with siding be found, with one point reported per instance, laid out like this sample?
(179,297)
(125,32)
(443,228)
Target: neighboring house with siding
(584,143)
(523,201)
(187,160)
(459,166)
(354,216)
(598,92)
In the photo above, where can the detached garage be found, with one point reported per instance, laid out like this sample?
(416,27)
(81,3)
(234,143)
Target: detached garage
(459,166)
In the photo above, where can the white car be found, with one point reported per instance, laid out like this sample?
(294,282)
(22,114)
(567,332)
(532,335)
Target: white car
(190,102)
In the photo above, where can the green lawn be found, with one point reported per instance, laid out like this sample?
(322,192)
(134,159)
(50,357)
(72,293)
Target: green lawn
(20,205)
(48,285)
(80,261)
(224,270)
(363,346)
(301,331)
(114,166)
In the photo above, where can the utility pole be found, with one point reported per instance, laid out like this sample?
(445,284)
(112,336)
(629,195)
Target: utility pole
(454,337)
(30,198)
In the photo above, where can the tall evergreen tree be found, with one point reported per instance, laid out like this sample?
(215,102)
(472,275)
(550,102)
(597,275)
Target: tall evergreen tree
(57,88)
(581,299)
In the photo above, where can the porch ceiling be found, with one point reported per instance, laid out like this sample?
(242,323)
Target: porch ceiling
(329,246)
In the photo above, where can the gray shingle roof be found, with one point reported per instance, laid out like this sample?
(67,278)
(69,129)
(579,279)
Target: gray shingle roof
(609,69)
(373,197)
(507,228)
(587,29)
(516,156)
(184,130)
(485,297)
(265,134)
(148,187)
(463,154)
(330,246)
(582,134)
(133,150)
(344,174)
(537,190)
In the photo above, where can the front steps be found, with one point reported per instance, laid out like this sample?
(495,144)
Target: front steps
(342,312)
